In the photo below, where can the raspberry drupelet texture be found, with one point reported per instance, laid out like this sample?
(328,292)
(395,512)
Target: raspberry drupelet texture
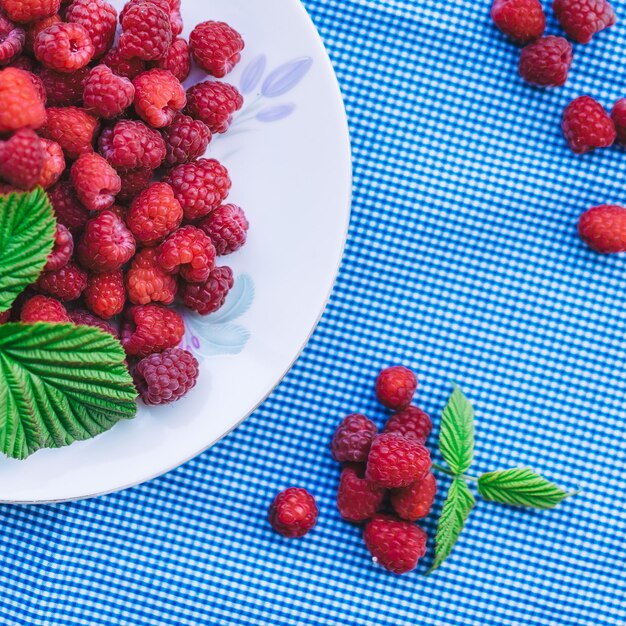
(106,244)
(546,62)
(98,18)
(216,47)
(603,228)
(353,438)
(159,96)
(72,128)
(146,281)
(146,33)
(25,11)
(586,125)
(166,377)
(357,499)
(185,139)
(162,4)
(22,106)
(200,187)
(66,284)
(105,295)
(131,144)
(133,183)
(412,423)
(293,512)
(34,28)
(95,181)
(190,252)
(154,214)
(208,297)
(105,94)
(129,68)
(581,19)
(43,309)
(53,163)
(395,461)
(395,387)
(177,59)
(22,159)
(12,39)
(227,228)
(521,20)
(62,250)
(618,115)
(67,208)
(64,89)
(416,500)
(214,103)
(151,328)
(64,47)
(80,317)
(395,544)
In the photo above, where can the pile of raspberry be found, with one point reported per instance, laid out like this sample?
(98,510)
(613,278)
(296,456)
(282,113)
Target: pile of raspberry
(102,121)
(386,482)
(545,61)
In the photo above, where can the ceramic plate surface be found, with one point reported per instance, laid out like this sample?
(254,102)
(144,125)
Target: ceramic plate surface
(289,158)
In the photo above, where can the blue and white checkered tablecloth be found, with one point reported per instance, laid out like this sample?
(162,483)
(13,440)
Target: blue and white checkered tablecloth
(463,261)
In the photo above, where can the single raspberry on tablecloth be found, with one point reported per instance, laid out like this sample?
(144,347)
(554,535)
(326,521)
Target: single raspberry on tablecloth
(146,281)
(581,19)
(353,438)
(586,125)
(618,115)
(208,297)
(66,284)
(603,228)
(395,387)
(415,501)
(151,328)
(357,499)
(522,20)
(546,62)
(105,294)
(293,512)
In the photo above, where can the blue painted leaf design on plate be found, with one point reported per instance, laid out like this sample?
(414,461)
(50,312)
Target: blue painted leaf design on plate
(285,77)
(276,113)
(252,74)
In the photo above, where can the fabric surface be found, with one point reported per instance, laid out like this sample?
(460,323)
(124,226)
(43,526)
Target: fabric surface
(462,262)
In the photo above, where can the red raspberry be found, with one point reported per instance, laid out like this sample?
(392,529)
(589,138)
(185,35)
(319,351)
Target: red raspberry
(412,423)
(106,245)
(190,252)
(12,40)
(33,29)
(154,214)
(5,316)
(23,63)
(133,183)
(80,317)
(177,60)
(415,501)
(357,499)
(106,94)
(395,461)
(24,11)
(603,228)
(200,187)
(129,68)
(546,62)
(586,125)
(158,97)
(395,387)
(66,284)
(72,128)
(293,513)
(68,210)
(216,47)
(21,159)
(62,250)
(227,227)
(64,47)
(53,163)
(166,377)
(64,89)
(186,139)
(618,115)
(214,103)
(352,439)
(95,181)
(146,282)
(522,20)
(43,309)
(132,145)
(99,19)
(395,544)
(21,103)
(581,19)
(162,4)
(146,33)
(151,328)
(208,297)
(105,295)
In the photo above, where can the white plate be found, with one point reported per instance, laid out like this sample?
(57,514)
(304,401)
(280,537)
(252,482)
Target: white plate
(289,157)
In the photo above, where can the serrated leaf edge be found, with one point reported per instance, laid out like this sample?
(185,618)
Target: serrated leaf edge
(456,433)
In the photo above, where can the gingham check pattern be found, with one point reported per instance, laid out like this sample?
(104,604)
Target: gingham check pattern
(463,261)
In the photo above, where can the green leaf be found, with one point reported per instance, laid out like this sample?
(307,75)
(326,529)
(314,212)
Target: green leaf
(27,229)
(59,383)
(520,487)
(456,508)
(456,435)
